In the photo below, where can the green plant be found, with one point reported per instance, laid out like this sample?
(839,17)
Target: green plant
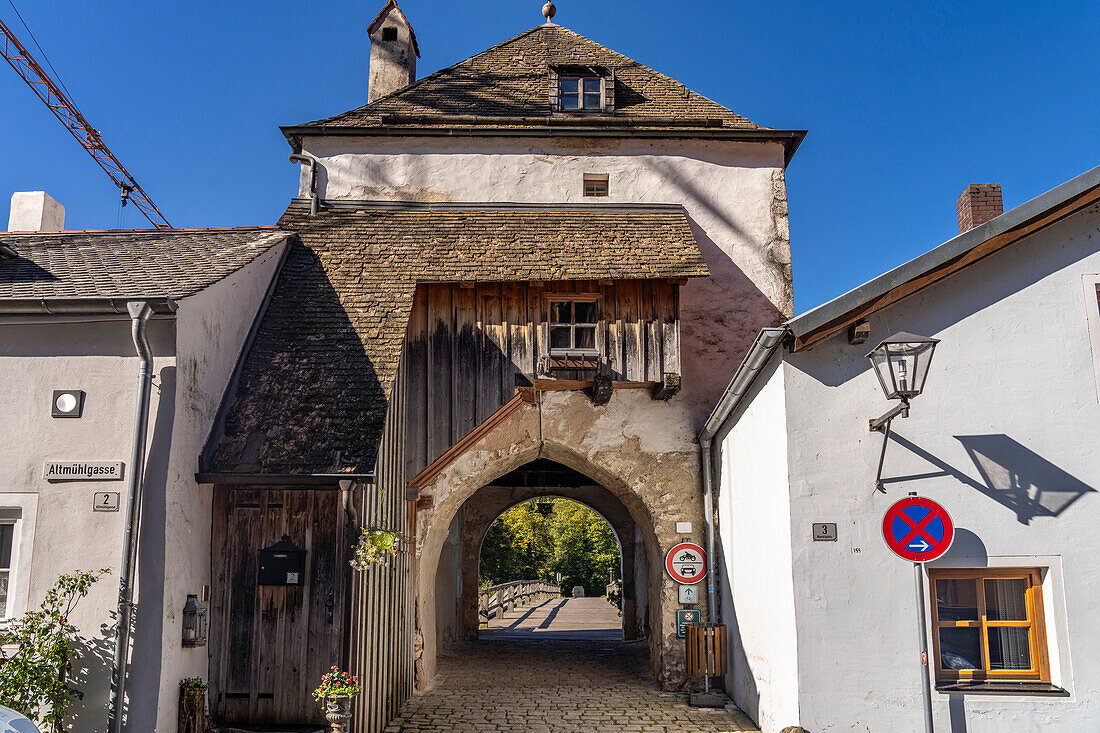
(337,683)
(194,683)
(34,680)
(375,545)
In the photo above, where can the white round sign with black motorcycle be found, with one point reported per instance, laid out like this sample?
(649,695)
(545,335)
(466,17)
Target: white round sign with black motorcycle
(686,563)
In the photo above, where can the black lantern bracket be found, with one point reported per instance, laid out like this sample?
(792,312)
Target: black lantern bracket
(901,364)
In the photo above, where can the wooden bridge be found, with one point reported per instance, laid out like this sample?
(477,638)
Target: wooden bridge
(534,611)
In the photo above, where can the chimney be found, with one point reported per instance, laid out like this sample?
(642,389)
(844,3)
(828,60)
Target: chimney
(393,53)
(979,203)
(35,211)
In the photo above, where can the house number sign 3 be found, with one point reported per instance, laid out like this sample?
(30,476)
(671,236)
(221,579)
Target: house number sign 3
(824,531)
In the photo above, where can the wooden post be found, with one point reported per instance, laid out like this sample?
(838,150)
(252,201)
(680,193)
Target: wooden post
(192,710)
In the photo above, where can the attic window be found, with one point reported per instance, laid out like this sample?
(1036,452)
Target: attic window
(389,33)
(595,185)
(581,93)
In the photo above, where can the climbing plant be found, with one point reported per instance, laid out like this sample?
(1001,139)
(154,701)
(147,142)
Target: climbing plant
(35,678)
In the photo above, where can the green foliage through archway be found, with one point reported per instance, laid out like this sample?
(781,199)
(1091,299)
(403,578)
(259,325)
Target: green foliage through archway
(537,539)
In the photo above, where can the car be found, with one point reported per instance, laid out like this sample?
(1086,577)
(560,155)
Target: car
(13,722)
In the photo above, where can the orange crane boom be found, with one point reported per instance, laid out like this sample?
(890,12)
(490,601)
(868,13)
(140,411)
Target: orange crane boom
(63,108)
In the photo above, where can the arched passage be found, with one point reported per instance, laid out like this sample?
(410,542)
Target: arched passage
(639,450)
(459,562)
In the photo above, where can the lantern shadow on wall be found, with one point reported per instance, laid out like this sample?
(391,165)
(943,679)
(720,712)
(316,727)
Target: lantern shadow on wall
(1011,474)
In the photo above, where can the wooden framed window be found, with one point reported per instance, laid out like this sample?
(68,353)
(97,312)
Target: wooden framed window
(581,93)
(7,542)
(987,624)
(595,185)
(573,324)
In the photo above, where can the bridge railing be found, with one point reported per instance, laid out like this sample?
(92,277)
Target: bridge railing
(497,599)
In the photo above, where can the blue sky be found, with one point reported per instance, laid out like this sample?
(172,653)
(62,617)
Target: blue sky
(905,102)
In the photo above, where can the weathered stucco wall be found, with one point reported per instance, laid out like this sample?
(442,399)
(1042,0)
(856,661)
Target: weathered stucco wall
(640,450)
(758,595)
(734,194)
(193,358)
(1003,437)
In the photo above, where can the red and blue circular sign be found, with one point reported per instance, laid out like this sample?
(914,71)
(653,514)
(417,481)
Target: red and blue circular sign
(918,529)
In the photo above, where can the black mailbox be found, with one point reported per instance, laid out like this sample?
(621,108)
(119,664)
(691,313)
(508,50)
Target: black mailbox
(284,563)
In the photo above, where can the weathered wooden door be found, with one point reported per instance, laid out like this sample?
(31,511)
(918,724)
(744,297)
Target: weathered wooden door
(270,644)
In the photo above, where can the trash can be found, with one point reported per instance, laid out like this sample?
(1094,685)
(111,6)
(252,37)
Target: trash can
(706,650)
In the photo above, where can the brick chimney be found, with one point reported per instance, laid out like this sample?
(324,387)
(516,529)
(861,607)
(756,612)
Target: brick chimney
(35,211)
(393,53)
(979,203)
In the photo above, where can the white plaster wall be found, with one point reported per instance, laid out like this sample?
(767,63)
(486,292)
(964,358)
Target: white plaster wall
(1013,380)
(734,194)
(755,558)
(211,329)
(193,358)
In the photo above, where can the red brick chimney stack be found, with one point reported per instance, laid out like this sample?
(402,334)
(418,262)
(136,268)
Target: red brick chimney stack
(979,203)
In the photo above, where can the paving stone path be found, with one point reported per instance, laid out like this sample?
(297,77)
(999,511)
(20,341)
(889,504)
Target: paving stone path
(554,685)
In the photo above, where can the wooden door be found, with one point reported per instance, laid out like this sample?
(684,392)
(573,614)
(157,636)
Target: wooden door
(269,645)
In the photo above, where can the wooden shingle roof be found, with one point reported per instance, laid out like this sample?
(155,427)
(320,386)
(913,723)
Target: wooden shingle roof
(508,85)
(315,385)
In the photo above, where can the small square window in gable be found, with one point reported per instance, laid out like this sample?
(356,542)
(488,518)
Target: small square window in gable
(389,33)
(595,185)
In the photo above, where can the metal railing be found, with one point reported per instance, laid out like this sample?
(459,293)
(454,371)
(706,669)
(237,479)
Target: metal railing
(498,599)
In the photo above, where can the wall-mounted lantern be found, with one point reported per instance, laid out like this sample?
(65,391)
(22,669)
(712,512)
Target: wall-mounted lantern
(545,508)
(901,364)
(194,622)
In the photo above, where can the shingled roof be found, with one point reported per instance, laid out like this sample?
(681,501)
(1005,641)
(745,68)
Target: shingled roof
(508,85)
(315,386)
(126,263)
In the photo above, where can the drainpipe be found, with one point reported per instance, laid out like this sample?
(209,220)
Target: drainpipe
(139,311)
(314,201)
(766,343)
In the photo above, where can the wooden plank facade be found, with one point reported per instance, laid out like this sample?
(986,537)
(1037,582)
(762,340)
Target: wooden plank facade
(467,342)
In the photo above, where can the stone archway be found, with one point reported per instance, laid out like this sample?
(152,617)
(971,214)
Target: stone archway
(641,451)
(489,502)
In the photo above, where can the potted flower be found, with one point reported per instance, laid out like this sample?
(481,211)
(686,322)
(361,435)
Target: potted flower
(192,706)
(375,546)
(336,691)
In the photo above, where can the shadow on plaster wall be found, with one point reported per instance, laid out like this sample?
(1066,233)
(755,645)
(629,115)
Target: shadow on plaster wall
(1011,474)
(740,681)
(966,546)
(91,667)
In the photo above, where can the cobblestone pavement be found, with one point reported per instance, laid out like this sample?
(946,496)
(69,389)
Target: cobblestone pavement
(554,686)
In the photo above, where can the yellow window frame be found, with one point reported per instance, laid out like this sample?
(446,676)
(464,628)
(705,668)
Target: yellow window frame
(1035,623)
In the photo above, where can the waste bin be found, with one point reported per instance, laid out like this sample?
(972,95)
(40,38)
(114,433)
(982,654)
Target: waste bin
(706,650)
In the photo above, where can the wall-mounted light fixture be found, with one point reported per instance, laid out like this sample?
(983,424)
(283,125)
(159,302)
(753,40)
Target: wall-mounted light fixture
(194,622)
(67,403)
(901,364)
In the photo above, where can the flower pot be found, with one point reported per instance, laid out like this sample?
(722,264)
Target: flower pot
(338,709)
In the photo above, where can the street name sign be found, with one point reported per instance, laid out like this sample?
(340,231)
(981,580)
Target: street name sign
(82,471)
(918,529)
(686,563)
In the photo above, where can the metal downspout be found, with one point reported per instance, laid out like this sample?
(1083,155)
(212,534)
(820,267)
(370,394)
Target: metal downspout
(139,320)
(708,511)
(314,200)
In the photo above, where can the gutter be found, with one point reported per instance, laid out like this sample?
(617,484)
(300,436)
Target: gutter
(140,312)
(791,139)
(281,479)
(761,351)
(83,306)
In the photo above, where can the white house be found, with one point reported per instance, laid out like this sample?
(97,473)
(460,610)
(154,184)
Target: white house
(70,386)
(824,627)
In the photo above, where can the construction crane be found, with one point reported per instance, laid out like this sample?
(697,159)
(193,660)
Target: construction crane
(63,108)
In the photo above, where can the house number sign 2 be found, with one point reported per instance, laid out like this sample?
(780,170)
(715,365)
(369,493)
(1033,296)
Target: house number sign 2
(105,501)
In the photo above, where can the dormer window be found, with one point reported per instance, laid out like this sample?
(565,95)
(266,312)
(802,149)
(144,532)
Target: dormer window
(582,89)
(581,93)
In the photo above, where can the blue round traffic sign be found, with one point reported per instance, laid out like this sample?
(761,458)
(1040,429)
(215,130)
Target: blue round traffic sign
(918,529)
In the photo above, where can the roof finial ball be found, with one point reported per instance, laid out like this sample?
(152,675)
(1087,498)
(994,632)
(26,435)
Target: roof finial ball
(549,11)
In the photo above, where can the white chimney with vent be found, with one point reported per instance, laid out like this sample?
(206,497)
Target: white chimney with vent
(35,211)
(393,53)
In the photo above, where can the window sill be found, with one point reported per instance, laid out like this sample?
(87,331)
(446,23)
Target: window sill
(1002,688)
